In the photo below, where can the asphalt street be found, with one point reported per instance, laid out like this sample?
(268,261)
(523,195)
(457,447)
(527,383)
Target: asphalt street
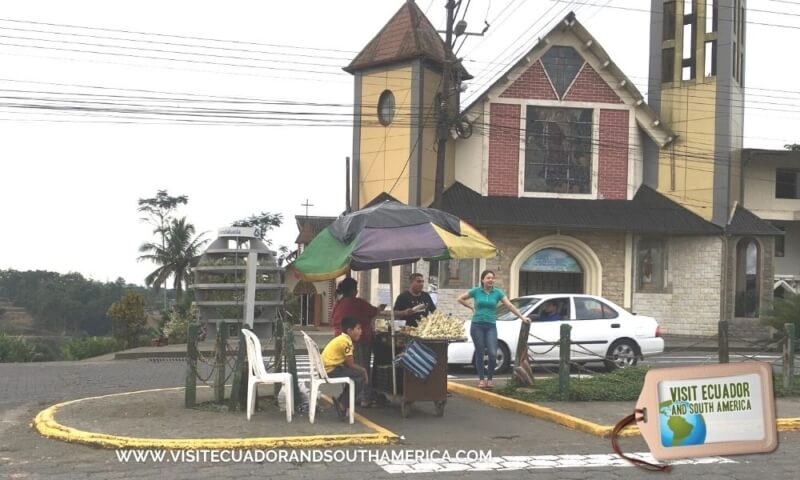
(526,446)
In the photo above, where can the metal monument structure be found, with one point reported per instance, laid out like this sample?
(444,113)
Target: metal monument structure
(237,283)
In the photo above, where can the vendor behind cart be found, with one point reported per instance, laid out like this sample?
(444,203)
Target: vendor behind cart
(414,303)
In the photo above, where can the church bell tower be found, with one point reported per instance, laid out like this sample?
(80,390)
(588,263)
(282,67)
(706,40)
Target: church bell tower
(398,80)
(696,83)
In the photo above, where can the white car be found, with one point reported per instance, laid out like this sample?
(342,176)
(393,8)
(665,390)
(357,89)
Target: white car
(604,332)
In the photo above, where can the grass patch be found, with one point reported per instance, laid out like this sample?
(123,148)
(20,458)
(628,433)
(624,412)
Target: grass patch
(618,386)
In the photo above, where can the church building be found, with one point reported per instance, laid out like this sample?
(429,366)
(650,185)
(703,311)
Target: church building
(583,184)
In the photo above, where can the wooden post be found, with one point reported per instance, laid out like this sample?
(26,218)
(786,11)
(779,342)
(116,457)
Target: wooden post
(563,370)
(278,354)
(238,398)
(222,340)
(788,356)
(724,357)
(190,394)
(291,362)
(523,370)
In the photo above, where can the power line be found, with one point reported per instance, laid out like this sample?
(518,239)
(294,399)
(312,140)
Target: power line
(177,44)
(749,22)
(155,34)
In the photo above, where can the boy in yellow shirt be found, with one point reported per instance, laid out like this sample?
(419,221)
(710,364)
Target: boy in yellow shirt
(337,356)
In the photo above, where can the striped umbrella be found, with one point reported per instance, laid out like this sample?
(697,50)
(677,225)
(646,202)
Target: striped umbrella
(389,233)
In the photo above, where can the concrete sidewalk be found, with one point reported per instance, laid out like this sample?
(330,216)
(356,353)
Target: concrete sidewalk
(321,337)
(672,343)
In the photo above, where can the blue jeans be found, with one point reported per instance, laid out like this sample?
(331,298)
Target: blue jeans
(484,336)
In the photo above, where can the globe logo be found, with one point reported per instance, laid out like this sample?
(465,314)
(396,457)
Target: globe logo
(679,426)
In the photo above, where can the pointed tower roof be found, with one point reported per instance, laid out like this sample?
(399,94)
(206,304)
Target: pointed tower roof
(408,35)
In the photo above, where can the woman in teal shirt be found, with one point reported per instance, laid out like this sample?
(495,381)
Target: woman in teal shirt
(484,323)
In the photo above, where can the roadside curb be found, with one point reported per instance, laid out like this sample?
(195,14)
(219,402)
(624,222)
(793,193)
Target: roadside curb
(566,420)
(128,355)
(46,424)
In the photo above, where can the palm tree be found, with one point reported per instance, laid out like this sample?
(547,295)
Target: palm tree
(179,253)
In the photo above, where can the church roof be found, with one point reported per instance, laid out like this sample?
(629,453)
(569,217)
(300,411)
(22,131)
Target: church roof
(309,227)
(745,222)
(407,36)
(380,198)
(596,56)
(648,212)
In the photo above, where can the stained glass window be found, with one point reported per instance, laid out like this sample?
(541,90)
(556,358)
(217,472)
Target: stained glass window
(562,64)
(558,150)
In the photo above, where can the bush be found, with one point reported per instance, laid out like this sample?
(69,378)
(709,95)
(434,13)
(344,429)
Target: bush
(128,317)
(46,349)
(15,349)
(80,348)
(177,325)
(786,310)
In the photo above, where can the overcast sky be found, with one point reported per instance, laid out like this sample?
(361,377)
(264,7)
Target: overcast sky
(71,178)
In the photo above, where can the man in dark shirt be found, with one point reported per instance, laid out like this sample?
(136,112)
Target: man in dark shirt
(413,304)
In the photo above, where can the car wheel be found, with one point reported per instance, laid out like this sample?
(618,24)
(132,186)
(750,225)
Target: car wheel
(622,354)
(503,359)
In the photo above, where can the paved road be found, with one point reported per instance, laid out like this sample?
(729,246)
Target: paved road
(536,447)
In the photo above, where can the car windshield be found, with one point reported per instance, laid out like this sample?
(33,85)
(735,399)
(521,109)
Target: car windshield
(522,304)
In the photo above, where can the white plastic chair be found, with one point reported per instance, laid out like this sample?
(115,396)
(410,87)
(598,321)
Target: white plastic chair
(320,376)
(258,374)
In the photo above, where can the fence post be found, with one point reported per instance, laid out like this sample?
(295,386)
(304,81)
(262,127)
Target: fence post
(190,394)
(788,356)
(240,375)
(222,340)
(724,357)
(563,370)
(291,362)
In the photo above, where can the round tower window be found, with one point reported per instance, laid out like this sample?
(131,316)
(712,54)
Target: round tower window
(386,107)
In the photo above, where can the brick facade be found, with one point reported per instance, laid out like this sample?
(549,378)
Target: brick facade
(504,148)
(533,84)
(589,87)
(614,152)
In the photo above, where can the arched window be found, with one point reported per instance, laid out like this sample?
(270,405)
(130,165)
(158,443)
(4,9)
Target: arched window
(550,270)
(386,107)
(748,279)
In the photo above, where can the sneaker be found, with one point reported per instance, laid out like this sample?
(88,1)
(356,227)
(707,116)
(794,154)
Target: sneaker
(490,384)
(482,384)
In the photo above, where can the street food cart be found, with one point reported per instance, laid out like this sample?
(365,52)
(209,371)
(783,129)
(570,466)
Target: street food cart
(401,385)
(389,234)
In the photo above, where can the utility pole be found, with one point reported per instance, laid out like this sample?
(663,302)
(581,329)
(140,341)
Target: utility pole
(444,120)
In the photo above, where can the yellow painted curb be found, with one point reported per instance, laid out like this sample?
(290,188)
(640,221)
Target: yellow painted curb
(569,421)
(46,424)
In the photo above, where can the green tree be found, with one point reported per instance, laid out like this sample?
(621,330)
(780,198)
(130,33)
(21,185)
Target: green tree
(264,222)
(786,310)
(128,317)
(158,212)
(62,303)
(175,257)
